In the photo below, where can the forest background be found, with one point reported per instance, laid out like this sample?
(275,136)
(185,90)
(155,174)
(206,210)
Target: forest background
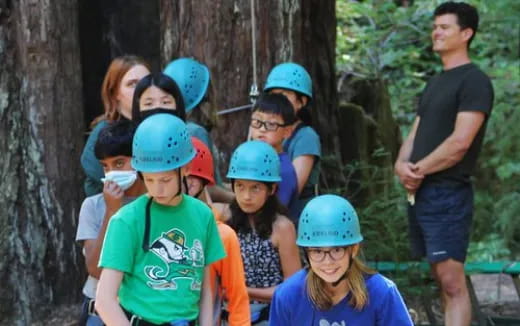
(369,60)
(383,40)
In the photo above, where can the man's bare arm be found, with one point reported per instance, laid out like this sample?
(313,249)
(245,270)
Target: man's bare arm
(452,149)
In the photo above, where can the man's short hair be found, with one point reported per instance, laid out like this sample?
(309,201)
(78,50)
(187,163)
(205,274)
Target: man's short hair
(115,139)
(467,15)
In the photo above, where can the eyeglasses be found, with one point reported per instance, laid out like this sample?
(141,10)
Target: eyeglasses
(318,255)
(268,125)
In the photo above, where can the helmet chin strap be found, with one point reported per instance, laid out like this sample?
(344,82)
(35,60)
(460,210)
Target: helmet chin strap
(198,193)
(185,183)
(344,276)
(179,186)
(181,180)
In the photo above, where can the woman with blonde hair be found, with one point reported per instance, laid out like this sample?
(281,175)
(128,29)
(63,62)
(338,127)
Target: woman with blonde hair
(117,92)
(336,288)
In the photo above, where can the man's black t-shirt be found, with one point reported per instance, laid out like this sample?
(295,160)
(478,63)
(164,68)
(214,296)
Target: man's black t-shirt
(463,88)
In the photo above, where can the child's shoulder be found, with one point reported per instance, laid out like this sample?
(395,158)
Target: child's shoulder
(282,224)
(377,283)
(193,202)
(221,211)
(94,199)
(294,285)
(306,132)
(196,207)
(133,210)
(226,232)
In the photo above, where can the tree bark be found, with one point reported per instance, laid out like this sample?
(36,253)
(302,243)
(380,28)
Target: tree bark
(40,109)
(111,28)
(218,33)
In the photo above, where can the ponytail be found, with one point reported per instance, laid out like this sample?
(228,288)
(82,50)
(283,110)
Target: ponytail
(304,114)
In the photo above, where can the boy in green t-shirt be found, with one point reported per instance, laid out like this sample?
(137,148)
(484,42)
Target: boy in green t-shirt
(158,249)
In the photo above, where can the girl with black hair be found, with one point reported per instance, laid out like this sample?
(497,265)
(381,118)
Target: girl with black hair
(267,237)
(157,93)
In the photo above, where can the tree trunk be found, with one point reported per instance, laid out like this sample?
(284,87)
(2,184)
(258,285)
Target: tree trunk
(40,109)
(111,28)
(218,33)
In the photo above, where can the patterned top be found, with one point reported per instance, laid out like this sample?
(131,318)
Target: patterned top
(261,260)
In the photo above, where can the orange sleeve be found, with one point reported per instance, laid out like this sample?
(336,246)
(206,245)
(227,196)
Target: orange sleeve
(231,271)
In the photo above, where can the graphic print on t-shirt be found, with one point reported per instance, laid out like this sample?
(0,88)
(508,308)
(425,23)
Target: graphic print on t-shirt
(324,322)
(179,261)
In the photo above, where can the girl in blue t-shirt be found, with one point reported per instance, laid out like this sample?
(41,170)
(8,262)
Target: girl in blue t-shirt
(303,146)
(336,288)
(267,237)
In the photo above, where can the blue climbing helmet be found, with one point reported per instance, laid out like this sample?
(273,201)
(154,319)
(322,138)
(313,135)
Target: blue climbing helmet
(161,143)
(290,76)
(255,160)
(328,221)
(192,78)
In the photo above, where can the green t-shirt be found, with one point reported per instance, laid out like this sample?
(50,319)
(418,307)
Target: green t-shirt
(164,283)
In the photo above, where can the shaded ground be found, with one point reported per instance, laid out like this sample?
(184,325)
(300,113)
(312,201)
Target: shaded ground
(63,315)
(496,294)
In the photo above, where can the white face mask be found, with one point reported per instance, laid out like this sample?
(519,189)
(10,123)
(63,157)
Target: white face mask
(124,179)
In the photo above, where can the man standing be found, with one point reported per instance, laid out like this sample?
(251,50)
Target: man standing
(437,158)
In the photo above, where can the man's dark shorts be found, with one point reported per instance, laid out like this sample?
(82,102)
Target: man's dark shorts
(440,221)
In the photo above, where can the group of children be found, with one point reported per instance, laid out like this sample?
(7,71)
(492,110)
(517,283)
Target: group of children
(166,243)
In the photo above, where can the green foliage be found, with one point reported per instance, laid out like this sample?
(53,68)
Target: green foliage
(379,201)
(385,228)
(491,247)
(377,39)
